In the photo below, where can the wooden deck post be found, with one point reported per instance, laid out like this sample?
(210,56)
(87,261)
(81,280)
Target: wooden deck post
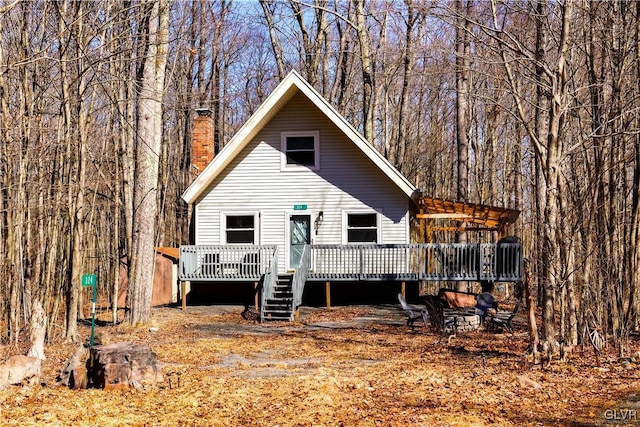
(255,294)
(403,290)
(183,291)
(327,291)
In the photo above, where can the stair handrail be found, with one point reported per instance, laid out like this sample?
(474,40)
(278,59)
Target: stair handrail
(300,277)
(269,283)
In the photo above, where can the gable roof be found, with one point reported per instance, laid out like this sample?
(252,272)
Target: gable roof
(290,85)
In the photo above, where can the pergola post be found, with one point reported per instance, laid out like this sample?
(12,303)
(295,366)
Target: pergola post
(183,291)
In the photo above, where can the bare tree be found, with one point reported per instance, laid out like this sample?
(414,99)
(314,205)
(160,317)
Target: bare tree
(550,151)
(154,36)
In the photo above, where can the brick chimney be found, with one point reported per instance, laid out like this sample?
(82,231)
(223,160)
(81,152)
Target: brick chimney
(202,149)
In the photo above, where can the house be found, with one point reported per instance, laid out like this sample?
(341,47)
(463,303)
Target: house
(298,196)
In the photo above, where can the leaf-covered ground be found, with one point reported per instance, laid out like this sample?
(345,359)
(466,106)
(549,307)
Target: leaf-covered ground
(347,366)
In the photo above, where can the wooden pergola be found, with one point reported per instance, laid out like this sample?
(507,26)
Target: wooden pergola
(470,216)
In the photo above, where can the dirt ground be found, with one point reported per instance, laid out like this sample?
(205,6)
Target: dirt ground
(346,366)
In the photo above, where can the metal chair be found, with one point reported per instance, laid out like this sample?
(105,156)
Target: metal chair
(413,313)
(503,319)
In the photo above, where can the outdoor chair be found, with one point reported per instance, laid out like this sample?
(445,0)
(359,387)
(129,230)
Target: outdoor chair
(247,266)
(211,265)
(250,264)
(413,313)
(503,319)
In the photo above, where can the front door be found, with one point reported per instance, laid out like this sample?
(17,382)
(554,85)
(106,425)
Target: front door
(299,236)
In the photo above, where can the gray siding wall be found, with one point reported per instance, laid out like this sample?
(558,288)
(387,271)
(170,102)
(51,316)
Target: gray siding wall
(347,181)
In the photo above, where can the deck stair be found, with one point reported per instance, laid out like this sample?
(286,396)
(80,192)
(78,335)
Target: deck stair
(280,305)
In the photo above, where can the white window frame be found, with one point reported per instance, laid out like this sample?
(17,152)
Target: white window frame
(223,227)
(345,226)
(316,151)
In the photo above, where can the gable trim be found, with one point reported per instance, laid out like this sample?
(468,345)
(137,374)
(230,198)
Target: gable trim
(289,86)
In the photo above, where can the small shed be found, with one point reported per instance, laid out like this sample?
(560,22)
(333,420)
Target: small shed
(165,278)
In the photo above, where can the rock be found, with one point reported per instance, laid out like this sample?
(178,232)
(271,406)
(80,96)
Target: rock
(18,369)
(123,365)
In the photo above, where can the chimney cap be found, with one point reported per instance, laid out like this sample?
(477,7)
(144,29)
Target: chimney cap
(204,112)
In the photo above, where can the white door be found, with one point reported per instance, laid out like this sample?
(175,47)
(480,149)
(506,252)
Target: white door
(299,236)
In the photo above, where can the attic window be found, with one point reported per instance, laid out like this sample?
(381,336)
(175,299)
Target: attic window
(300,150)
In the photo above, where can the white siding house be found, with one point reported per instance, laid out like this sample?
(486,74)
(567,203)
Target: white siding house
(298,173)
(298,197)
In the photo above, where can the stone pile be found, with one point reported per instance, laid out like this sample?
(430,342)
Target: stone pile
(464,322)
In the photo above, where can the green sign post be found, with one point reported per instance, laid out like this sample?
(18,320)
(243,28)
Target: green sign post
(90,280)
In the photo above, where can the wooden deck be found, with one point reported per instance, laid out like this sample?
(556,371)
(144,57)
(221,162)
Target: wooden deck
(281,295)
(404,262)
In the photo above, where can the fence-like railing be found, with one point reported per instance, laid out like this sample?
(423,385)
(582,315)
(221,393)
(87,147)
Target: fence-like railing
(431,261)
(225,262)
(401,262)
(269,283)
(300,276)
(363,262)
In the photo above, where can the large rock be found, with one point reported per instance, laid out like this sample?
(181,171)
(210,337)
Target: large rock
(123,365)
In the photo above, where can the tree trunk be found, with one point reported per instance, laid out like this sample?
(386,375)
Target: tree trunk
(276,46)
(551,170)
(530,302)
(463,62)
(367,71)
(148,149)
(413,18)
(38,330)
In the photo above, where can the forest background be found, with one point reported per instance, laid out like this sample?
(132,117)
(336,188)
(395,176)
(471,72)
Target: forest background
(530,105)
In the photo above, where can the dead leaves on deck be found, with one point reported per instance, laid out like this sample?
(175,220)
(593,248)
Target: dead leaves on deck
(237,372)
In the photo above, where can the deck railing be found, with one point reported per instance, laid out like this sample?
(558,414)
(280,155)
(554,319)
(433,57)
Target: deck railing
(225,262)
(269,283)
(362,262)
(300,276)
(401,262)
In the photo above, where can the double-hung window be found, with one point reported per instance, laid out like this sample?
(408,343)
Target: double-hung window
(362,228)
(240,229)
(300,150)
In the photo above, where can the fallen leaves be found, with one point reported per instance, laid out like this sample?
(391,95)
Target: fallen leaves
(360,372)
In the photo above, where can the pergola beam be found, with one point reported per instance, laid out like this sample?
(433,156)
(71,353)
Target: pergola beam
(444,216)
(487,218)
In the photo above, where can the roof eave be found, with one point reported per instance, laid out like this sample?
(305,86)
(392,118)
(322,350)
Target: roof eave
(280,95)
(381,162)
(292,83)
